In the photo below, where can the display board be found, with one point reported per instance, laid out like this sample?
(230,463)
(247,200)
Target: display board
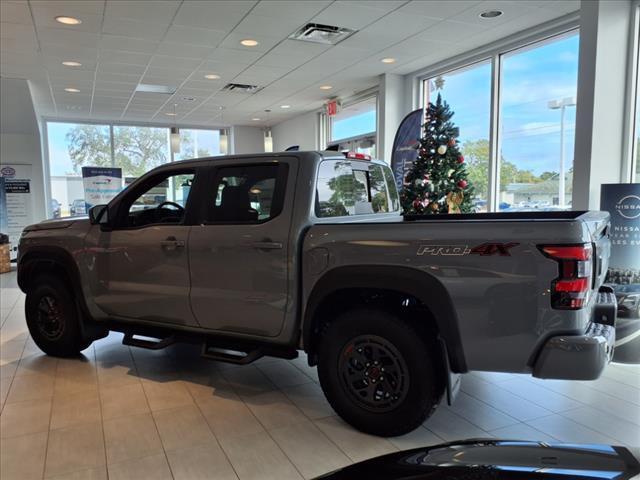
(405,146)
(101,184)
(18,201)
(622,201)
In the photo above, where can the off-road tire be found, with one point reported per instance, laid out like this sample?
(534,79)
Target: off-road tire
(61,337)
(417,352)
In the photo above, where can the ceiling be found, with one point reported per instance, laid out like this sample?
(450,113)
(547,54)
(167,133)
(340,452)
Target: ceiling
(123,43)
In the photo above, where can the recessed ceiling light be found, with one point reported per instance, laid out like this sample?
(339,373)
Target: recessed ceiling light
(249,42)
(285,106)
(68,20)
(325,87)
(388,60)
(212,76)
(491,14)
(171,114)
(72,90)
(71,64)
(256,119)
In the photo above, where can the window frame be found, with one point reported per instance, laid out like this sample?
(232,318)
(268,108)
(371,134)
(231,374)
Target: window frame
(494,52)
(279,193)
(122,203)
(110,125)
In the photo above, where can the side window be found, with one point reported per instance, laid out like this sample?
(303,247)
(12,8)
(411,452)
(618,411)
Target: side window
(163,201)
(379,196)
(248,194)
(345,189)
(335,196)
(393,191)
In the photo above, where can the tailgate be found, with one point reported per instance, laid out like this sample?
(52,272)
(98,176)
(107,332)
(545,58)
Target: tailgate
(598,225)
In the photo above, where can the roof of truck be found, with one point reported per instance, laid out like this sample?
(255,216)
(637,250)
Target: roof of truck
(320,154)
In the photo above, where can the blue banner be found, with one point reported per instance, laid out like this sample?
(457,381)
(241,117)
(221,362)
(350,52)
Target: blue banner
(405,146)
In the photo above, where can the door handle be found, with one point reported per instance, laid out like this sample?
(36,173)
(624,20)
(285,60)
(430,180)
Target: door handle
(171,243)
(267,245)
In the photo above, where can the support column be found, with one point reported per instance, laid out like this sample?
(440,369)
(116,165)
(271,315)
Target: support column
(391,111)
(602,77)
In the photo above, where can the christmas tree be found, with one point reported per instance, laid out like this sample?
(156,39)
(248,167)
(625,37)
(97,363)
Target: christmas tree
(437,182)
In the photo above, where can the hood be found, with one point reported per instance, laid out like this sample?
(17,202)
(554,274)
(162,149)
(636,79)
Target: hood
(498,460)
(56,223)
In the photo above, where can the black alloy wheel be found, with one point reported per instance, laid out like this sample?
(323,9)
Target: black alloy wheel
(374,373)
(50,320)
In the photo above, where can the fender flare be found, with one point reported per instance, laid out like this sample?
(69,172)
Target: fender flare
(61,258)
(421,285)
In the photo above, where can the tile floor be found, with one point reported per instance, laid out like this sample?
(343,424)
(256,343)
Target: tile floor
(127,413)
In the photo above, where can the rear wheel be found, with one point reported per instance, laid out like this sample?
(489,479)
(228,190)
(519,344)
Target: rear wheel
(378,373)
(52,318)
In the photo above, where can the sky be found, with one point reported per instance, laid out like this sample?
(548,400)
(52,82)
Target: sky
(530,130)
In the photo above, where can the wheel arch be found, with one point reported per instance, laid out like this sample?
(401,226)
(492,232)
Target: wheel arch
(400,281)
(57,260)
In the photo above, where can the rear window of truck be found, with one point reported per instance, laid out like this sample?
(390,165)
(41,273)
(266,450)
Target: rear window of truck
(346,188)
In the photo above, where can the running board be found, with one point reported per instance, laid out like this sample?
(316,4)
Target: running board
(230,356)
(129,339)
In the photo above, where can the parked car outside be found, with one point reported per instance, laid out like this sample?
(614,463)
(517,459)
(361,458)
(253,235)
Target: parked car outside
(55,208)
(78,208)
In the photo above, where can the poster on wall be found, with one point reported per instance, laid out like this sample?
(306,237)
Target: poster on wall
(101,184)
(18,201)
(622,201)
(405,146)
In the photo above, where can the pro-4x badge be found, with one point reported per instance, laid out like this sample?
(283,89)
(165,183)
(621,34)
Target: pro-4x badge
(501,249)
(443,250)
(484,250)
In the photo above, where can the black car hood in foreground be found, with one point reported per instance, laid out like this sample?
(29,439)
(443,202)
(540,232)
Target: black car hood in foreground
(497,459)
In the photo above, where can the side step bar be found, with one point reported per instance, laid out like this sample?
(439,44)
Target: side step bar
(230,356)
(213,348)
(129,339)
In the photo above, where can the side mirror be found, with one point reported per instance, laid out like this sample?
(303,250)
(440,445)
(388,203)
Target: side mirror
(99,215)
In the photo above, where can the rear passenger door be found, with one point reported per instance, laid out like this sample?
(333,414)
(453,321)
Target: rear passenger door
(238,253)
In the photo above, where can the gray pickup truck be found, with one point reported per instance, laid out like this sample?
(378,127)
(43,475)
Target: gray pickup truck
(274,253)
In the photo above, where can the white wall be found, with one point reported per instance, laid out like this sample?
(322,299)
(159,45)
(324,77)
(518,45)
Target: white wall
(301,130)
(247,139)
(20,138)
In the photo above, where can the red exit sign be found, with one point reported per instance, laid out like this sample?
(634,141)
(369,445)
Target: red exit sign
(332,108)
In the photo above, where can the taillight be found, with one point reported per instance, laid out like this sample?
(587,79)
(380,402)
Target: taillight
(570,291)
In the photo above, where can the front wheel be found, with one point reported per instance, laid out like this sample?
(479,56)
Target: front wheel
(378,372)
(52,318)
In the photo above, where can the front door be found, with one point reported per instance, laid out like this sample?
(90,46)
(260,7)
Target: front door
(141,264)
(238,254)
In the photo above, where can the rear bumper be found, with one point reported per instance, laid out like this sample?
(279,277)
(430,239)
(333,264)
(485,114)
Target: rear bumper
(581,357)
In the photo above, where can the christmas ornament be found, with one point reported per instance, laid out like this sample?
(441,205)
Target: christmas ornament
(452,142)
(461,159)
(434,206)
(442,149)
(450,172)
(462,184)
(454,200)
(419,182)
(417,204)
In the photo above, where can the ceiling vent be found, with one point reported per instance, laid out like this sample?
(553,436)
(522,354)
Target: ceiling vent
(240,88)
(318,33)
